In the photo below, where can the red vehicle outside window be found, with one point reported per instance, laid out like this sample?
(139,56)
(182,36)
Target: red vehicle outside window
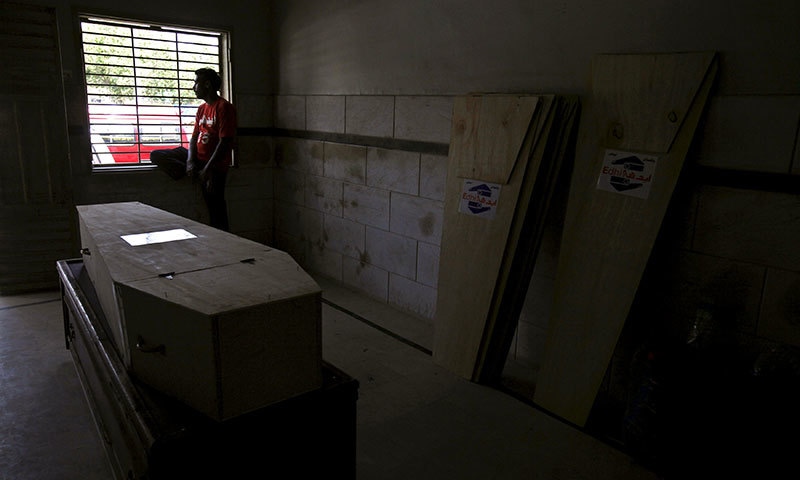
(126,134)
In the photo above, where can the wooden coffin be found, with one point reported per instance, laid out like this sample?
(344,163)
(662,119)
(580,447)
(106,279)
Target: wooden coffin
(642,115)
(505,153)
(148,435)
(224,324)
(491,138)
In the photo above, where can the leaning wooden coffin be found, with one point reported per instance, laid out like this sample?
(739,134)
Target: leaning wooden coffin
(224,324)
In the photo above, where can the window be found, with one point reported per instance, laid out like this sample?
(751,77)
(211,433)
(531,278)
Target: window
(139,80)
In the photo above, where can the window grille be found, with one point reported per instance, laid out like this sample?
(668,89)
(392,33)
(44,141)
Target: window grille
(139,80)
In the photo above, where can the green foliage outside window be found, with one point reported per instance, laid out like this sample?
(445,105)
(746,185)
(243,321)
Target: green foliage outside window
(139,80)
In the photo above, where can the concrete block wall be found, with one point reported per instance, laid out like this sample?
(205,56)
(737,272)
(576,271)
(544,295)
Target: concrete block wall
(740,241)
(249,191)
(728,267)
(359,191)
(742,221)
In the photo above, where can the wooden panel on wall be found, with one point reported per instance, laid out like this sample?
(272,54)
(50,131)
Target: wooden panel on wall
(35,193)
(28,49)
(34,165)
(514,146)
(642,114)
(473,242)
(484,147)
(554,155)
(32,239)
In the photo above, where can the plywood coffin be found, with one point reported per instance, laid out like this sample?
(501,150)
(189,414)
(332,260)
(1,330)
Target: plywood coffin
(488,157)
(641,117)
(501,160)
(224,324)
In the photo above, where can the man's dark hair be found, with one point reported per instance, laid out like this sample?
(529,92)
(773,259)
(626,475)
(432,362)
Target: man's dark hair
(211,75)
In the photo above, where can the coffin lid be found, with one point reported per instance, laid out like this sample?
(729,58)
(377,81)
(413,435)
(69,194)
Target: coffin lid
(213,272)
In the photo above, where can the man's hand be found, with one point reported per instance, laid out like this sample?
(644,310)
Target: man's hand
(205,178)
(189,167)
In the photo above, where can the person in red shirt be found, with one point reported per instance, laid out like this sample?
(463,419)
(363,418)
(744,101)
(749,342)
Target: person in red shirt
(211,146)
(210,149)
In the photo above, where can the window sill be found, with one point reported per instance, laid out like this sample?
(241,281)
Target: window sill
(123,169)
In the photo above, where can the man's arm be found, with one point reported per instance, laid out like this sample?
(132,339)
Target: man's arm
(191,157)
(220,154)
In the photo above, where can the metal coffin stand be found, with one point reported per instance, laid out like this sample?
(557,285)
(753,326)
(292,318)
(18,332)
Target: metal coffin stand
(148,435)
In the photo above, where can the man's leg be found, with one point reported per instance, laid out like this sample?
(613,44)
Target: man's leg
(215,201)
(172,161)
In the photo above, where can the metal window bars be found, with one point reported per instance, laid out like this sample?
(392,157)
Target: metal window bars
(139,80)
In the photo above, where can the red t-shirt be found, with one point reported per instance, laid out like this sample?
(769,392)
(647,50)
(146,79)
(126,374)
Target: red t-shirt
(214,121)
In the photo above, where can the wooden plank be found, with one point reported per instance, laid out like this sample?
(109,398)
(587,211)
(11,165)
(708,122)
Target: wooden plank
(487,134)
(32,239)
(645,116)
(525,239)
(473,247)
(608,236)
(35,192)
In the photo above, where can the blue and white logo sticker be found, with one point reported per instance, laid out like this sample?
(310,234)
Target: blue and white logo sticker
(627,173)
(479,198)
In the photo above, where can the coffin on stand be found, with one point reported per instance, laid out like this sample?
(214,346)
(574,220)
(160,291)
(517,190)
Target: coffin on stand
(147,434)
(223,324)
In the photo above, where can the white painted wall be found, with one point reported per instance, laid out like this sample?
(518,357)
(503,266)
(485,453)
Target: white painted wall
(456,46)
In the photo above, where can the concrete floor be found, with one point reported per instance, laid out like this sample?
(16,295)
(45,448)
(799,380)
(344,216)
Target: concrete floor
(415,420)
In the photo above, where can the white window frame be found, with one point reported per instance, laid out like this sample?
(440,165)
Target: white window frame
(147,103)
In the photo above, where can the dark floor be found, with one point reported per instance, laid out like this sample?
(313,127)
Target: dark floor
(415,420)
